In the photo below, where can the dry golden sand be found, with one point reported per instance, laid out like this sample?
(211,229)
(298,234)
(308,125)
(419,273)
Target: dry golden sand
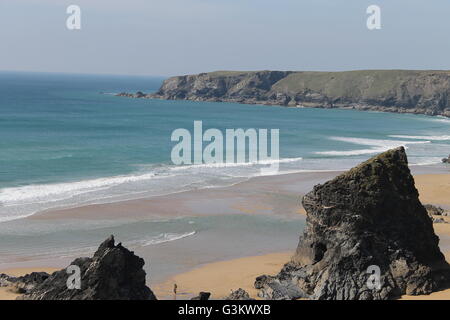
(221,277)
(434,188)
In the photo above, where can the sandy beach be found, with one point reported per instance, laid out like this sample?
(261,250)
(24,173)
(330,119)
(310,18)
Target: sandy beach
(221,277)
(219,271)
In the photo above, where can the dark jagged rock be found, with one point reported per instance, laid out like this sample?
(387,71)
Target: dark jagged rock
(368,216)
(433,210)
(24,283)
(403,91)
(239,294)
(446,160)
(138,94)
(435,213)
(113,273)
(202,296)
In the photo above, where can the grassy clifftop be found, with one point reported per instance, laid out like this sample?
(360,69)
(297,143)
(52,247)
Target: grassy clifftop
(369,84)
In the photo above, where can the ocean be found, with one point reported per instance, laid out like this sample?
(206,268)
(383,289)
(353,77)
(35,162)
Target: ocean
(67,140)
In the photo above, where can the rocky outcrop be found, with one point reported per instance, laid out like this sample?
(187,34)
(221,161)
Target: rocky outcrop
(138,94)
(202,296)
(436,213)
(25,283)
(405,91)
(433,210)
(365,221)
(239,294)
(446,160)
(113,273)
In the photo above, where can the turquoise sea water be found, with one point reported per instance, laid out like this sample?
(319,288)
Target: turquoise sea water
(66,140)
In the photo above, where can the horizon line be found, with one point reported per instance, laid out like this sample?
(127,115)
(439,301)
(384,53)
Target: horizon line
(180,74)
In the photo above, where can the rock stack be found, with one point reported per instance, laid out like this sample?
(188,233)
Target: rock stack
(367,237)
(113,273)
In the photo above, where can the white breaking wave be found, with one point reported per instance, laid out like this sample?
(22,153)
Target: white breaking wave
(37,193)
(377,142)
(351,152)
(433,138)
(163,238)
(442,119)
(235,164)
(378,146)
(87,250)
(424,161)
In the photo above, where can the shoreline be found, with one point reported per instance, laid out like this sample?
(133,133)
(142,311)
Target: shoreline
(263,103)
(257,263)
(421,169)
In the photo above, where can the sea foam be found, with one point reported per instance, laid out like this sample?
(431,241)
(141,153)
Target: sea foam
(433,138)
(378,146)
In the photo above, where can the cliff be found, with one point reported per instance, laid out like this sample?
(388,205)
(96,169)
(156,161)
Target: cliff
(424,92)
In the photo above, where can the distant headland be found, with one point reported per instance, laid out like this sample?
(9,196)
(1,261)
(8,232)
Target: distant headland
(403,91)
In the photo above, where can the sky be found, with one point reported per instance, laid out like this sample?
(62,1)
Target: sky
(174,37)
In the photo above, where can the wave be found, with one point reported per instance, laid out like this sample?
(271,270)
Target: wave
(378,146)
(425,161)
(59,191)
(235,164)
(87,250)
(37,193)
(433,138)
(442,119)
(163,238)
(351,152)
(377,142)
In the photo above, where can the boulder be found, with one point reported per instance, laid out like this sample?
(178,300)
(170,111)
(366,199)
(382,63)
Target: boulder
(113,273)
(202,296)
(239,294)
(367,237)
(433,210)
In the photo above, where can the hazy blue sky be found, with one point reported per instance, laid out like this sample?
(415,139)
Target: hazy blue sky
(168,37)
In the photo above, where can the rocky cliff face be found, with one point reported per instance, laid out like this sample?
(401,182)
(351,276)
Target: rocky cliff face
(369,216)
(113,273)
(426,92)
